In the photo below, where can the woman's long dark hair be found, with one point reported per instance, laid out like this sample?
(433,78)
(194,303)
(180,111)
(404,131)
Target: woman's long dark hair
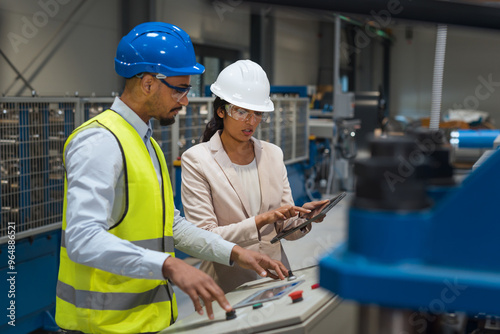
(216,123)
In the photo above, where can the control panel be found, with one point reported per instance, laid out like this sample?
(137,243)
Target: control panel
(295,305)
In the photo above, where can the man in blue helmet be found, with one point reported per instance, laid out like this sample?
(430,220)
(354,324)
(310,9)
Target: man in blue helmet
(119,221)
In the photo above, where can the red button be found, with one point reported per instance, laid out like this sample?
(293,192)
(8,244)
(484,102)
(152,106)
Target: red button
(315,286)
(296,296)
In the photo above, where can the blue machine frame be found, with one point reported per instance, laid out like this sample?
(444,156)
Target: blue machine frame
(443,259)
(30,284)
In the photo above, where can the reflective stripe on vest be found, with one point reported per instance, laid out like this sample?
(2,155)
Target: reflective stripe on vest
(95,301)
(113,301)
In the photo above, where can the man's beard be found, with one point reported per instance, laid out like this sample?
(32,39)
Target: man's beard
(170,119)
(167,121)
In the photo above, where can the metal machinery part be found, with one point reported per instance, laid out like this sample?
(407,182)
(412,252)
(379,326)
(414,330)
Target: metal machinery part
(421,248)
(334,148)
(347,137)
(469,145)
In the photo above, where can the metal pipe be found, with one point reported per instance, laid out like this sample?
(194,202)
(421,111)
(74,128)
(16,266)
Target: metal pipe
(336,58)
(330,188)
(437,80)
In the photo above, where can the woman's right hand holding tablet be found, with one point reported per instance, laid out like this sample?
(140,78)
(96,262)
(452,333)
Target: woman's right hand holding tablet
(282,213)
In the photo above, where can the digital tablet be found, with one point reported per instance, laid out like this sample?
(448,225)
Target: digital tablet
(268,294)
(334,201)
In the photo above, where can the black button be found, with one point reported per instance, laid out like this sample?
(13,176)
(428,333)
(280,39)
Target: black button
(231,314)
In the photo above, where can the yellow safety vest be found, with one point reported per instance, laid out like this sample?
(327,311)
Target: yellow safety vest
(95,301)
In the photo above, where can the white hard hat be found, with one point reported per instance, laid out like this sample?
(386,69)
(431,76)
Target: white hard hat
(244,84)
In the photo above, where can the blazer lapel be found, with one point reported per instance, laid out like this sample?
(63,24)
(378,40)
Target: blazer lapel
(263,176)
(226,165)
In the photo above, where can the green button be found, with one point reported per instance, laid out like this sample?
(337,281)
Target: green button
(256,306)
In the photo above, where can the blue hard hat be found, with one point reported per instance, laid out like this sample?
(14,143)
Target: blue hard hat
(156,47)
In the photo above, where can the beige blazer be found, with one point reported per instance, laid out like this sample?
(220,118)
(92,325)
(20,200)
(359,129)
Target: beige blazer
(214,199)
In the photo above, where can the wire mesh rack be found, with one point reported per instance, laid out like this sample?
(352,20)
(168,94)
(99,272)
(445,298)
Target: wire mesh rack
(33,132)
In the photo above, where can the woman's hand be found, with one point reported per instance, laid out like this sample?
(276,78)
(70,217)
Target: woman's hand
(315,208)
(282,213)
(260,263)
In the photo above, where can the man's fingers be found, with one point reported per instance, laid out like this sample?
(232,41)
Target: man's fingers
(200,287)
(207,295)
(208,306)
(196,301)
(218,295)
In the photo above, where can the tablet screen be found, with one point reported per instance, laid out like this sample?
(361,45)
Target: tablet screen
(334,201)
(268,294)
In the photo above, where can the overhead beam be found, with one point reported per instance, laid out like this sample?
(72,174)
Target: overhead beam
(383,11)
(19,74)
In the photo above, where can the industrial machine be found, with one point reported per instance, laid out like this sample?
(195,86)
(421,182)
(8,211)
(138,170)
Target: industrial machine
(269,306)
(335,134)
(416,262)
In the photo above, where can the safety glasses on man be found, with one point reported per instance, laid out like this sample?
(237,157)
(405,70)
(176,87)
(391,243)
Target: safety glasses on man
(241,114)
(178,93)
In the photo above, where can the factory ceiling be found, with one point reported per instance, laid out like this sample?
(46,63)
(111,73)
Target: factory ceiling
(473,13)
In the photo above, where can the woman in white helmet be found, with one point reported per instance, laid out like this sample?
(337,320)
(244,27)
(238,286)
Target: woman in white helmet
(234,184)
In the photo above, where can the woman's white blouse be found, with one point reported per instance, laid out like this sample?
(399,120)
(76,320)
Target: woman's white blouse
(249,178)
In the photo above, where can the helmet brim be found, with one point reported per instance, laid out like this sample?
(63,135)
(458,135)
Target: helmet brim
(129,70)
(265,106)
